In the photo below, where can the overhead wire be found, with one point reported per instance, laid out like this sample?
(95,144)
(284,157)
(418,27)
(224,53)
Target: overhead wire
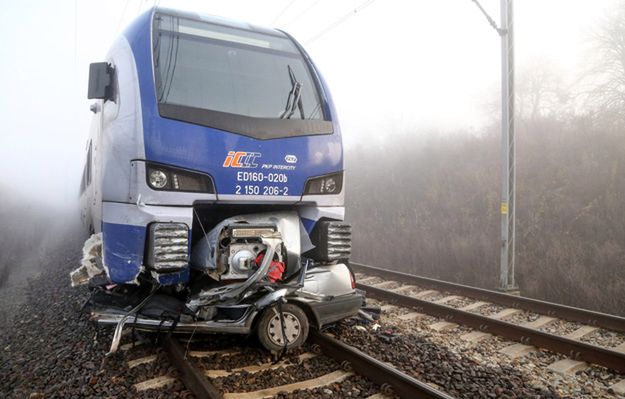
(301,14)
(75,34)
(341,20)
(121,18)
(140,7)
(281,13)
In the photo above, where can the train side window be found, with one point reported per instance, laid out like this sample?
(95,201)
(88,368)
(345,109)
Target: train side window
(88,166)
(86,170)
(83,183)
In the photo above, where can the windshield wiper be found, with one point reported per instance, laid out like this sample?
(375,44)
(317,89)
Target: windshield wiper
(294,99)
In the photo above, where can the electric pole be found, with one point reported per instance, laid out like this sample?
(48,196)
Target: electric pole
(507,282)
(508,166)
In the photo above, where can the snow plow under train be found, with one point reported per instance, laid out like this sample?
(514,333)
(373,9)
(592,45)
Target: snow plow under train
(213,184)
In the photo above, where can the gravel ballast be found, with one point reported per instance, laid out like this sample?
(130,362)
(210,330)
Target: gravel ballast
(533,367)
(457,375)
(49,348)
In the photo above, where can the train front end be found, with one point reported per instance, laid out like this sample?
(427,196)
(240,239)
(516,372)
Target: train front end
(220,175)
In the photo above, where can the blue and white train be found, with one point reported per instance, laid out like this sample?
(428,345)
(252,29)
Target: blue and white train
(213,184)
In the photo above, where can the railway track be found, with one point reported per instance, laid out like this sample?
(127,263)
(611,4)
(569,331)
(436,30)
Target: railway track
(584,316)
(57,354)
(433,297)
(338,367)
(202,380)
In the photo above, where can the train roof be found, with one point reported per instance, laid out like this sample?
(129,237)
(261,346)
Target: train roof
(214,19)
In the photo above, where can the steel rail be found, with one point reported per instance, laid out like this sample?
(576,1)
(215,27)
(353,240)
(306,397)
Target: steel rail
(191,377)
(381,373)
(577,350)
(584,316)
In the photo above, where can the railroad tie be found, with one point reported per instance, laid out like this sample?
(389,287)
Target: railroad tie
(539,322)
(154,383)
(582,331)
(473,306)
(379,396)
(222,352)
(426,293)
(131,345)
(446,299)
(410,316)
(367,279)
(258,367)
(140,361)
(441,326)
(403,288)
(324,380)
(619,348)
(618,388)
(517,350)
(387,308)
(504,314)
(475,336)
(567,366)
(384,284)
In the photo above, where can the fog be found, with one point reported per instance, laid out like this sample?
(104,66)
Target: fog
(412,80)
(394,66)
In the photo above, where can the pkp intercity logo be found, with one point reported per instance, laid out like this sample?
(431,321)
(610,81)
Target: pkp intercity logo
(241,159)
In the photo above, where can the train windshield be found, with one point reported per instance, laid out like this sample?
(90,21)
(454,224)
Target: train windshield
(244,81)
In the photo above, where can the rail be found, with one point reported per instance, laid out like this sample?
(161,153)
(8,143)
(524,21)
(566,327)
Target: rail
(588,317)
(191,377)
(381,373)
(577,350)
(391,380)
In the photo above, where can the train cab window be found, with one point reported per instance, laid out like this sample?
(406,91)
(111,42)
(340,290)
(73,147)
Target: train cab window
(222,76)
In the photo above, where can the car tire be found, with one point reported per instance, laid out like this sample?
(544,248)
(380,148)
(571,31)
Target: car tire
(269,329)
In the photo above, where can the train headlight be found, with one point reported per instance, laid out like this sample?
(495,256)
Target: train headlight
(328,184)
(158,179)
(167,178)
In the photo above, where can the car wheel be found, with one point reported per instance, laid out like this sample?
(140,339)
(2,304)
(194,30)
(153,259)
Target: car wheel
(295,327)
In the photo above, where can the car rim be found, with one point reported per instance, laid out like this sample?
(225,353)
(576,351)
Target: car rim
(292,329)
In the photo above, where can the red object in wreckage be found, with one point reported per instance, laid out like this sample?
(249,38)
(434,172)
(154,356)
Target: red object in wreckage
(275,268)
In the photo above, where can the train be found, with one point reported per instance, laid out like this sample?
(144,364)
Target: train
(213,187)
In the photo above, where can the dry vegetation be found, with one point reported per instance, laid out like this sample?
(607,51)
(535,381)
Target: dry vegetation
(432,208)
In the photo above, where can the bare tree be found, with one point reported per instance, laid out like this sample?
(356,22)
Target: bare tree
(606,73)
(541,90)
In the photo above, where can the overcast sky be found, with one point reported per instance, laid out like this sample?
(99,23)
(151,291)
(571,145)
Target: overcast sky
(393,67)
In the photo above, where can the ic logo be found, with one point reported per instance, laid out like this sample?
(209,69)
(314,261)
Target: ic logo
(290,159)
(241,159)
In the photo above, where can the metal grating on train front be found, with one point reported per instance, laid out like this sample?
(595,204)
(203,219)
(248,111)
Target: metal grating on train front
(168,246)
